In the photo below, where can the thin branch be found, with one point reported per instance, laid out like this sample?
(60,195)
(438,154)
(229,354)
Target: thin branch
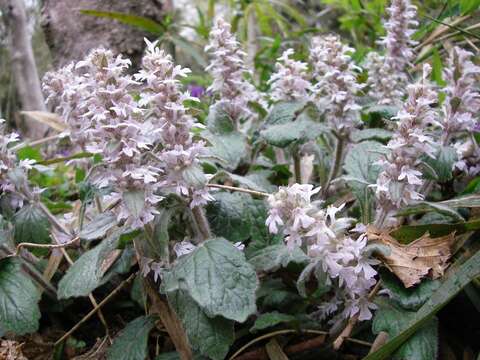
(43,246)
(337,163)
(337,344)
(233,188)
(96,308)
(37,142)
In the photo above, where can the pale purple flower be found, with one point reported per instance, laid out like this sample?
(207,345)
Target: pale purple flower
(336,88)
(399,182)
(290,82)
(228,72)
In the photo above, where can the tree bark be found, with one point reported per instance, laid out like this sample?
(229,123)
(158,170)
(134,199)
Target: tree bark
(24,69)
(70,34)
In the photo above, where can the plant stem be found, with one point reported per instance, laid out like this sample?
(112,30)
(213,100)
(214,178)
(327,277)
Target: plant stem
(337,163)
(202,222)
(233,188)
(297,167)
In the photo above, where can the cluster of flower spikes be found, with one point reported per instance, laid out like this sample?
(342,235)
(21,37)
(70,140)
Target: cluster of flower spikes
(13,173)
(291,81)
(228,72)
(162,94)
(142,148)
(399,182)
(387,77)
(459,115)
(337,85)
(326,240)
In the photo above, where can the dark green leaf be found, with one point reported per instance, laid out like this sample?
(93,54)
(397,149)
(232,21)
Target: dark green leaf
(232,147)
(141,22)
(440,168)
(31,225)
(211,336)
(371,134)
(85,276)
(392,319)
(271,319)
(451,286)
(19,297)
(132,342)
(99,226)
(218,278)
(274,257)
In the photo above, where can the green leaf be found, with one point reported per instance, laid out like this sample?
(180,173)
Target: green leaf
(85,276)
(228,216)
(218,120)
(232,147)
(392,319)
(211,336)
(19,297)
(437,68)
(141,22)
(451,286)
(323,281)
(274,257)
(468,201)
(371,134)
(271,319)
(99,226)
(440,168)
(468,6)
(385,111)
(407,233)
(284,112)
(194,176)
(362,172)
(239,217)
(134,200)
(411,298)
(218,278)
(300,130)
(132,342)
(427,206)
(31,225)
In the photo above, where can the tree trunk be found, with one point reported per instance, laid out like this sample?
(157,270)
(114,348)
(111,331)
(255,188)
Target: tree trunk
(24,69)
(70,34)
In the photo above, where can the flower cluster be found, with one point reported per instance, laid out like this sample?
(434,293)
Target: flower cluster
(400,180)
(290,82)
(337,86)
(462,101)
(387,76)
(468,153)
(343,258)
(13,173)
(145,143)
(228,72)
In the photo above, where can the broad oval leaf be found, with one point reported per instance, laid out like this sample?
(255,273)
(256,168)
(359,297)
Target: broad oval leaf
(31,225)
(211,336)
(132,342)
(99,226)
(218,278)
(274,257)
(19,297)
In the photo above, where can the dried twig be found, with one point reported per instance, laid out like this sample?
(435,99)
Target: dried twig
(233,188)
(337,344)
(43,246)
(96,308)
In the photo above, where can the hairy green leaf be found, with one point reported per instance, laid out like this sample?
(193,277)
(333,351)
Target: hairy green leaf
(132,342)
(218,278)
(99,226)
(274,257)
(211,336)
(31,225)
(19,297)
(271,319)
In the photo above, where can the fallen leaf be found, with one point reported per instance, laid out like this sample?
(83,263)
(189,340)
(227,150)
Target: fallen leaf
(47,118)
(423,257)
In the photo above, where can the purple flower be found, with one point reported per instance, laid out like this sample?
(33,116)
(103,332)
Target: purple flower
(196,91)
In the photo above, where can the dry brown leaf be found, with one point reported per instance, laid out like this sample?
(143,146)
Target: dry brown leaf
(423,257)
(47,118)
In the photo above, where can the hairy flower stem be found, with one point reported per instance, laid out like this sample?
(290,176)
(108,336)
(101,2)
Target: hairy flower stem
(201,222)
(297,167)
(337,163)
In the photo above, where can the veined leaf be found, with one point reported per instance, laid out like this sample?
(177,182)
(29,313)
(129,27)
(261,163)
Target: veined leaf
(31,225)
(131,344)
(19,297)
(450,287)
(99,226)
(141,22)
(274,257)
(218,278)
